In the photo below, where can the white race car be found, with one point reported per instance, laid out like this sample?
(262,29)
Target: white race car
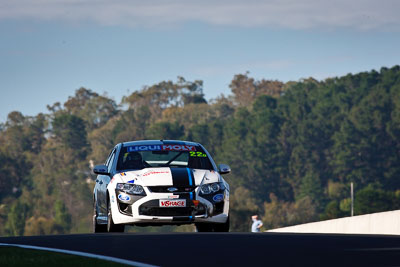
(160,182)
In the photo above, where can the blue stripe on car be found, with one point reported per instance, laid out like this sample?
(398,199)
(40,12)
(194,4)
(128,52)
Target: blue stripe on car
(190,177)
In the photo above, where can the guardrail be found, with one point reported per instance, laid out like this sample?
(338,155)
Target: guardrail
(387,223)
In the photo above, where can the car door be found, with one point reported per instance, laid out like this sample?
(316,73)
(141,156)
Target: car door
(104,180)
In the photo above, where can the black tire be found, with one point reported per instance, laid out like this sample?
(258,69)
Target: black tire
(111,227)
(222,227)
(204,227)
(97,228)
(213,227)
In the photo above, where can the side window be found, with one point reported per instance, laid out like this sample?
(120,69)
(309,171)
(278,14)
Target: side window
(109,157)
(111,160)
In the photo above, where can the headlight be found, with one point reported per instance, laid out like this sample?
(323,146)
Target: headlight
(132,189)
(214,187)
(210,188)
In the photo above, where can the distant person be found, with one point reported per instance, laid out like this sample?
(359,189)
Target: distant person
(257,224)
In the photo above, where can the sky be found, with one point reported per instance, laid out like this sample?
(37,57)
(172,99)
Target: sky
(50,48)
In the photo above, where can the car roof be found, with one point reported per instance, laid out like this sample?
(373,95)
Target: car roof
(159,142)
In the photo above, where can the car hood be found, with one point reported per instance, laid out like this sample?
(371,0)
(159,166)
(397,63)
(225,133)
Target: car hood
(167,176)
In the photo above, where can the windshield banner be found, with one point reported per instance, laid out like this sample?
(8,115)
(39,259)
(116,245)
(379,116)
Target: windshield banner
(161,148)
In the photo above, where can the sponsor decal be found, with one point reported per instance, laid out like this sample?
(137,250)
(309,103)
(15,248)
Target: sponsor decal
(112,199)
(173,203)
(161,148)
(123,174)
(124,197)
(178,148)
(153,172)
(198,154)
(144,148)
(218,197)
(173,196)
(131,181)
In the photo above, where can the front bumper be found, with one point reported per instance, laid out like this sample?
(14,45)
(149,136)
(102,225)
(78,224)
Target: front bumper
(146,210)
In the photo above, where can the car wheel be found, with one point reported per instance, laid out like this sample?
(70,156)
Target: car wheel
(111,227)
(97,228)
(222,227)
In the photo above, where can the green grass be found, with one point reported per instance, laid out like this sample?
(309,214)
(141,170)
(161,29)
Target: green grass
(12,256)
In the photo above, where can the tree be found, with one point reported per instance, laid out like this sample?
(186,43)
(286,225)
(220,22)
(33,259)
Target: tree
(16,219)
(131,125)
(332,211)
(165,130)
(62,218)
(242,207)
(70,130)
(245,89)
(371,199)
(279,213)
(93,108)
(311,187)
(166,94)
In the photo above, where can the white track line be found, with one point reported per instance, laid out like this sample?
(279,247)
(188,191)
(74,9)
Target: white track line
(84,254)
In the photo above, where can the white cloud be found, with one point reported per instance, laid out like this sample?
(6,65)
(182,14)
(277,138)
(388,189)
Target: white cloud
(292,14)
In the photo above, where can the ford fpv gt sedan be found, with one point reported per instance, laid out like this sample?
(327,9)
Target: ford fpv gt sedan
(160,182)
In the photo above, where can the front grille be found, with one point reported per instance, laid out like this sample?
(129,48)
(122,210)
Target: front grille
(125,208)
(152,208)
(166,211)
(164,189)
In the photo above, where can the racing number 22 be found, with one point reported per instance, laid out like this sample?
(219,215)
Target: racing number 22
(197,154)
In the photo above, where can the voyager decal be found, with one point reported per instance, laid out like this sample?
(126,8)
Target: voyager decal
(173,203)
(161,148)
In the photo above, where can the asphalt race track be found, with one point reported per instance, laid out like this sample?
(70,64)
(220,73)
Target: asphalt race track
(231,249)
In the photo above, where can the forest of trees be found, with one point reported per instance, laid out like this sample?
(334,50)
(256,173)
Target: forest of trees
(294,148)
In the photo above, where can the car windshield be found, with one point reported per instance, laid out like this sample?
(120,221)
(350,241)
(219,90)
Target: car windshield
(138,157)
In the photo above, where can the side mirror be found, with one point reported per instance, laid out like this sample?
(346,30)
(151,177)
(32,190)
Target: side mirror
(101,169)
(224,169)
